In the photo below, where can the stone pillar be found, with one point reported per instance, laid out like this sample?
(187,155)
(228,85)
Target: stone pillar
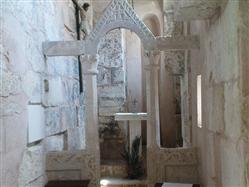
(153,123)
(90,72)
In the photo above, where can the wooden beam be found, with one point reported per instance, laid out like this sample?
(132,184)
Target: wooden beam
(64,48)
(177,43)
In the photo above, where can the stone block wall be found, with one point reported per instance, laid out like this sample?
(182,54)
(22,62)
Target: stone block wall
(42,109)
(221,137)
(111,77)
(243,52)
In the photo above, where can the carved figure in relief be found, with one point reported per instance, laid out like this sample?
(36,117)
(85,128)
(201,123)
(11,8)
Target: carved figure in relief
(84,24)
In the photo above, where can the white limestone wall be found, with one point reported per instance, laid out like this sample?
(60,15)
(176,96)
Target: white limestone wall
(221,137)
(36,117)
(134,72)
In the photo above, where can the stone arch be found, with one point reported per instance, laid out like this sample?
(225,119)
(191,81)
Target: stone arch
(119,14)
(153,18)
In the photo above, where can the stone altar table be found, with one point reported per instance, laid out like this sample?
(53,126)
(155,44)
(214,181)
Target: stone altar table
(134,120)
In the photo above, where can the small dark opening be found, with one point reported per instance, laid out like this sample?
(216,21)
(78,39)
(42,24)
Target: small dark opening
(78,38)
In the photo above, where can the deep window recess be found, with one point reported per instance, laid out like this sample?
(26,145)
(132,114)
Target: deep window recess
(199,102)
(78,38)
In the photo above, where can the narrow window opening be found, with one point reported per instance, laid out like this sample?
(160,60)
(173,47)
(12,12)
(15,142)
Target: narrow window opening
(199,102)
(78,38)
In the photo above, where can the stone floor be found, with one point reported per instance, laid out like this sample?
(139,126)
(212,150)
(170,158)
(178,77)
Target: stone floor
(115,182)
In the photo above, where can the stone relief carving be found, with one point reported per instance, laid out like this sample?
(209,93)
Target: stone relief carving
(172,28)
(179,156)
(165,160)
(174,61)
(84,162)
(119,14)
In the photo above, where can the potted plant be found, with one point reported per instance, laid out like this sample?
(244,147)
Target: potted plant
(134,160)
(111,129)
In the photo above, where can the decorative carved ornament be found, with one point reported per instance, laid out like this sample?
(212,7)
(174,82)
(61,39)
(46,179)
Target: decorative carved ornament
(119,14)
(79,160)
(174,62)
(181,156)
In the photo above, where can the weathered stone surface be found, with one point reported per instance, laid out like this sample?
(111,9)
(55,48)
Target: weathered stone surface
(174,62)
(116,171)
(232,110)
(10,83)
(186,10)
(119,14)
(113,91)
(56,93)
(55,143)
(111,102)
(69,48)
(220,138)
(32,166)
(74,174)
(53,123)
(111,77)
(81,119)
(216,105)
(78,163)
(118,75)
(104,76)
(39,182)
(32,86)
(59,119)
(15,141)
(110,111)
(66,67)
(68,116)
(110,50)
(10,108)
(232,160)
(71,91)
(76,137)
(36,119)
(181,174)
(177,42)
(104,119)
(23,71)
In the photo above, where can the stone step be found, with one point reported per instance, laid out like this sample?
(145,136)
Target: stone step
(68,183)
(114,169)
(116,182)
(166,184)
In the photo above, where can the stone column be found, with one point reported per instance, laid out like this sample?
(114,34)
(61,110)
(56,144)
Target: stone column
(90,72)
(153,123)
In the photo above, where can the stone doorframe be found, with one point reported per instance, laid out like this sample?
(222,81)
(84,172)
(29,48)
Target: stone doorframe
(119,14)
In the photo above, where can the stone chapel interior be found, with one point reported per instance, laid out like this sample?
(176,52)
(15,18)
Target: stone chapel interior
(124,93)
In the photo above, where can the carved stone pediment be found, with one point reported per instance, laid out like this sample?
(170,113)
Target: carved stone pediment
(119,14)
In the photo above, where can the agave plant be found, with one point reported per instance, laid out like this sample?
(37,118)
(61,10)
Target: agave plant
(134,160)
(110,129)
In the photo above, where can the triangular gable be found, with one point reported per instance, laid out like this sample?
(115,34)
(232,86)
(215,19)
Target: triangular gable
(119,14)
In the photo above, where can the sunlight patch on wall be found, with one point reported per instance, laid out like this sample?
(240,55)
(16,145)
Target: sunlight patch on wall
(199,102)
